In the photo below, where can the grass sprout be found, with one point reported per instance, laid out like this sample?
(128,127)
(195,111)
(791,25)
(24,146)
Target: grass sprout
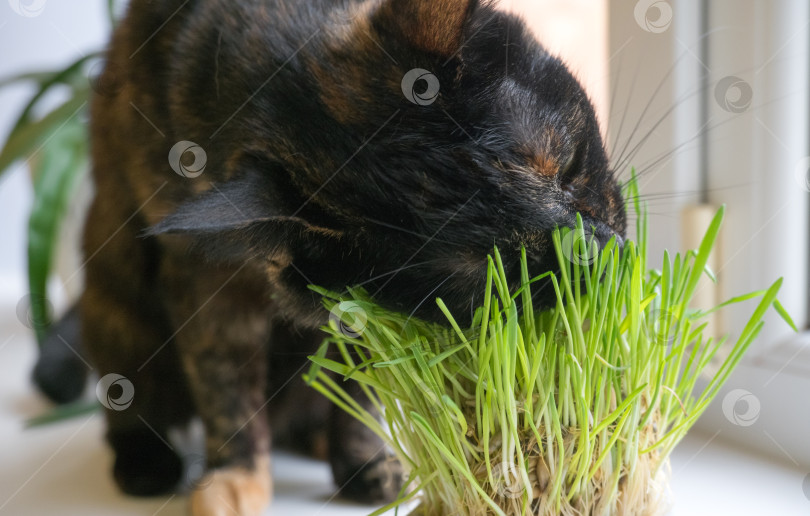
(572,410)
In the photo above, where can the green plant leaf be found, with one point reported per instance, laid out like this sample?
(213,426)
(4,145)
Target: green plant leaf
(63,412)
(57,170)
(23,142)
(72,75)
(38,77)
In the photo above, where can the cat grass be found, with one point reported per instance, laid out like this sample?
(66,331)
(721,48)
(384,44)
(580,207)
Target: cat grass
(572,410)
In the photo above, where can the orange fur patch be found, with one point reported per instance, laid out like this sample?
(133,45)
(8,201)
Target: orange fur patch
(432,25)
(545,165)
(234,491)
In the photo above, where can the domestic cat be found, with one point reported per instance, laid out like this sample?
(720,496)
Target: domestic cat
(245,150)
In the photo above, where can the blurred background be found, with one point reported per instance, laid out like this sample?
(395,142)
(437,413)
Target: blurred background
(708,100)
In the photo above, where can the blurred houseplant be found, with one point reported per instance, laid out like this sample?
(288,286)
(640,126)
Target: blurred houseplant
(54,144)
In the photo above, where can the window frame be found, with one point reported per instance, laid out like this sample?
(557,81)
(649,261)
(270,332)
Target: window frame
(766,44)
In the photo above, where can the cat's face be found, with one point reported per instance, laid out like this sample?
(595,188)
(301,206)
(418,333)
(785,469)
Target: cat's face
(439,130)
(506,150)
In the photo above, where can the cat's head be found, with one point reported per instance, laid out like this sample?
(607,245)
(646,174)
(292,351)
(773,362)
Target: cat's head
(428,132)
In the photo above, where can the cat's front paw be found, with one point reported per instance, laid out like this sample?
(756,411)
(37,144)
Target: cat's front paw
(144,466)
(233,491)
(378,481)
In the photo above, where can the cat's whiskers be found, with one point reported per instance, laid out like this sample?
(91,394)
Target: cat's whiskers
(628,153)
(658,88)
(410,232)
(424,299)
(617,139)
(395,271)
(646,167)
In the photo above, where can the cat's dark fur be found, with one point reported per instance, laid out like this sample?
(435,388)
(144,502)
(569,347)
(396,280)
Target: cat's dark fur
(319,170)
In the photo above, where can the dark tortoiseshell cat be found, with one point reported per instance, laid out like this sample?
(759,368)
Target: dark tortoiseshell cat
(326,161)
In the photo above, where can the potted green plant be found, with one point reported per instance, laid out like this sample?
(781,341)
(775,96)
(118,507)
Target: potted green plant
(572,410)
(54,145)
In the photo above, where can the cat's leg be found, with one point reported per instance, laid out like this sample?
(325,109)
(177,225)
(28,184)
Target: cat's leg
(299,414)
(222,321)
(123,326)
(363,468)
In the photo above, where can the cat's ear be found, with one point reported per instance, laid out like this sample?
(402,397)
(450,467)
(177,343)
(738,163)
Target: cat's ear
(240,202)
(433,25)
(250,214)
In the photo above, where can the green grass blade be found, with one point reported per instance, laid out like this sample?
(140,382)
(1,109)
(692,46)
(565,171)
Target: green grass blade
(702,257)
(784,315)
